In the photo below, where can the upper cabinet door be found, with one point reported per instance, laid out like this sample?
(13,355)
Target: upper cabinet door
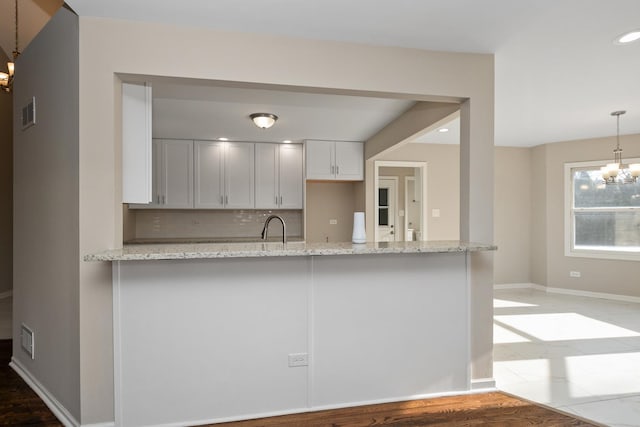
(320,159)
(209,174)
(267,194)
(239,175)
(349,161)
(136,144)
(177,174)
(290,176)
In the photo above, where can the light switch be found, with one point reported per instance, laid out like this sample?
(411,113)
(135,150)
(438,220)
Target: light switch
(333,221)
(400,213)
(435,213)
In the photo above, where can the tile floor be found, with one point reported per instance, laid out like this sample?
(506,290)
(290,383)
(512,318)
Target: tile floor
(580,355)
(5,318)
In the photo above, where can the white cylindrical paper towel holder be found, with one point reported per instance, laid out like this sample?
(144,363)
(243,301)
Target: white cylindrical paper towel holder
(359,235)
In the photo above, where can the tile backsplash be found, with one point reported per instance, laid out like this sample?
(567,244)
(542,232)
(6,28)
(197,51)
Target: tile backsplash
(150,224)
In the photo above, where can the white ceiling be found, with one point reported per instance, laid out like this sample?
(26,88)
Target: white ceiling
(558,73)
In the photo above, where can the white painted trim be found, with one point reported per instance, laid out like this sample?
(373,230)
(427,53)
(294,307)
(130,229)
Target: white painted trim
(6,294)
(483,384)
(323,408)
(589,294)
(565,291)
(109,424)
(514,286)
(52,403)
(117,346)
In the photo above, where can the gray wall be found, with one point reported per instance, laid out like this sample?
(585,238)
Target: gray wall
(598,275)
(6,188)
(46,206)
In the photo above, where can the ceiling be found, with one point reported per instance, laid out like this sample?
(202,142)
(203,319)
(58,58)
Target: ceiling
(558,74)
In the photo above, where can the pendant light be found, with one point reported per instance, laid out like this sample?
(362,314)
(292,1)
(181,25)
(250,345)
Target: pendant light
(617,172)
(6,79)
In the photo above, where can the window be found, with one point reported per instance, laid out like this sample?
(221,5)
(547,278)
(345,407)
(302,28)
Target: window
(383,206)
(603,221)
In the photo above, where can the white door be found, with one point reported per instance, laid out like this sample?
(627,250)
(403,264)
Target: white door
(209,174)
(267,196)
(320,159)
(177,174)
(238,172)
(387,201)
(349,160)
(290,176)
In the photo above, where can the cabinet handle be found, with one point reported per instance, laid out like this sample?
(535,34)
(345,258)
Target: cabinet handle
(337,170)
(222,200)
(157,199)
(276,200)
(163,200)
(333,168)
(280,200)
(226,200)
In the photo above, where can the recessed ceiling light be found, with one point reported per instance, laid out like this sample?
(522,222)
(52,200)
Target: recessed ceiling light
(223,139)
(629,37)
(287,141)
(443,130)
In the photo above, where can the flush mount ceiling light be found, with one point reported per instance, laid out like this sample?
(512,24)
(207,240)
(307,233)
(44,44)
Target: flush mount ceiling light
(617,172)
(629,37)
(6,79)
(443,130)
(263,120)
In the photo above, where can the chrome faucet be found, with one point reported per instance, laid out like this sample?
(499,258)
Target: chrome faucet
(265,229)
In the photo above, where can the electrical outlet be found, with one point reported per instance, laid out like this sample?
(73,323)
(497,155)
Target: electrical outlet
(574,274)
(333,221)
(27,340)
(435,213)
(298,359)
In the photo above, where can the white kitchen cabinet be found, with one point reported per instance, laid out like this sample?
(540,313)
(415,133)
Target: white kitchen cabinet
(172,181)
(335,160)
(279,176)
(136,143)
(224,175)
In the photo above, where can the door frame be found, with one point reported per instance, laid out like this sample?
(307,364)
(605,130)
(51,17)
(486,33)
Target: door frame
(377,164)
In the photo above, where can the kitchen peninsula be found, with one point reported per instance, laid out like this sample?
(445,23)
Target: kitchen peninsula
(214,332)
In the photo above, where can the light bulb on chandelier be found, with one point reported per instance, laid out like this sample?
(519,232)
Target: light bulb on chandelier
(617,172)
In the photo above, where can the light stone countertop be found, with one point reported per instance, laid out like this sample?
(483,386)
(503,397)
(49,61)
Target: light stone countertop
(140,252)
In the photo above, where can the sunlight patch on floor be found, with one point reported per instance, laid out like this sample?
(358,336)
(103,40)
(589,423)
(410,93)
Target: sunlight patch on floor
(564,326)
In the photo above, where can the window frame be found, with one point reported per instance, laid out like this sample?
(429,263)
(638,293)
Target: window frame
(569,224)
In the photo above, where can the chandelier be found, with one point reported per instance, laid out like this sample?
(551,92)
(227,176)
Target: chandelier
(617,172)
(6,79)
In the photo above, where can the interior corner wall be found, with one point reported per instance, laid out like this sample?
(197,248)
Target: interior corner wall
(443,185)
(6,189)
(512,215)
(46,233)
(109,48)
(538,189)
(597,275)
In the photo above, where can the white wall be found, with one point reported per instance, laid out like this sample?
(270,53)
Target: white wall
(598,275)
(46,206)
(6,188)
(108,47)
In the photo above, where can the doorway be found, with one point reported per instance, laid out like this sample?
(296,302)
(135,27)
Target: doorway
(407,180)
(387,208)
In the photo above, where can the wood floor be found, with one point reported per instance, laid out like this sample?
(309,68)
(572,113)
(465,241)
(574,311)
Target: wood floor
(490,409)
(20,406)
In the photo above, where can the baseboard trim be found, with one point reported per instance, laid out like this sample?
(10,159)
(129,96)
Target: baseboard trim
(565,291)
(6,294)
(325,407)
(111,424)
(52,403)
(483,384)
